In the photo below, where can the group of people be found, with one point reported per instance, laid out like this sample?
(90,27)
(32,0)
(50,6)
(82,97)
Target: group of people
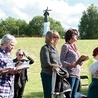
(12,81)
(50,60)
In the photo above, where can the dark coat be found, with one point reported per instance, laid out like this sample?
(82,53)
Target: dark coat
(61,84)
(19,78)
(93,89)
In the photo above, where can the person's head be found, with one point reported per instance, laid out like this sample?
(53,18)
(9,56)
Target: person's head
(8,42)
(71,34)
(19,54)
(52,37)
(95,53)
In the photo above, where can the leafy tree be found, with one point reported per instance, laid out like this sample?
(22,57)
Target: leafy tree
(19,27)
(7,26)
(22,28)
(13,26)
(56,25)
(88,26)
(36,26)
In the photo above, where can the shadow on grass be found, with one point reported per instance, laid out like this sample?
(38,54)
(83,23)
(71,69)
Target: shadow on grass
(34,95)
(40,94)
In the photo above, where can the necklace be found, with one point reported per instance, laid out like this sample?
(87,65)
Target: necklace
(73,46)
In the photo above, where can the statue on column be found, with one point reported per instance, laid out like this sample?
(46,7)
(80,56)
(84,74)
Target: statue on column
(46,21)
(46,14)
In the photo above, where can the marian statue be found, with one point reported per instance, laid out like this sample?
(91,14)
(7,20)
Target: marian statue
(46,15)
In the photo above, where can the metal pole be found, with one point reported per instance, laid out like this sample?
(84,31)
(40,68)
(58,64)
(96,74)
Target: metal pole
(18,32)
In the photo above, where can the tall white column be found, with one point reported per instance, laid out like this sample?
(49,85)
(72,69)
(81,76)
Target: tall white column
(46,27)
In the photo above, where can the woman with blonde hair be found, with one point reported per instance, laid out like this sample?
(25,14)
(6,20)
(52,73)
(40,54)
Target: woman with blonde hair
(49,59)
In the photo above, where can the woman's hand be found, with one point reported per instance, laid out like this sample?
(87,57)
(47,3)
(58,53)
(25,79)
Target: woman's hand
(73,64)
(17,71)
(96,73)
(24,54)
(12,70)
(80,63)
(54,66)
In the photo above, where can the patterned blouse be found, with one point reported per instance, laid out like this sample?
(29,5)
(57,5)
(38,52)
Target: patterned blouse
(68,56)
(6,80)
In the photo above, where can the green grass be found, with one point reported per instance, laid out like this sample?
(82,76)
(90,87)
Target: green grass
(32,47)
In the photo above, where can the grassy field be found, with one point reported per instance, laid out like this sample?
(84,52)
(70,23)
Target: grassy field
(32,48)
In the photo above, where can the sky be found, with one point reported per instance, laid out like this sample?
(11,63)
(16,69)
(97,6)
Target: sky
(68,12)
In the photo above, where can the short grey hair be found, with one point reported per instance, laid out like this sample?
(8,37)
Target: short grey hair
(7,38)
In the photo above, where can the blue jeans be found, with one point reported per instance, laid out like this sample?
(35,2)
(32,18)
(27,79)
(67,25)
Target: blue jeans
(46,83)
(74,82)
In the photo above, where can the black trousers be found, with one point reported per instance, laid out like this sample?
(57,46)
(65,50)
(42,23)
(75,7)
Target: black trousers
(67,94)
(18,91)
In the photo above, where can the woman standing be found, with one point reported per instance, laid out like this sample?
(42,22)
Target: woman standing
(69,56)
(49,59)
(7,76)
(21,77)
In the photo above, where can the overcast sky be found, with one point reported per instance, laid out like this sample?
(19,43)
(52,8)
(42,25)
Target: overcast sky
(68,12)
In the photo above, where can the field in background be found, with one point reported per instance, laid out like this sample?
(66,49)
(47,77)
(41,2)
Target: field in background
(32,48)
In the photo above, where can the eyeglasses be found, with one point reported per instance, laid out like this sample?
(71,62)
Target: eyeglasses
(56,37)
(75,34)
(20,54)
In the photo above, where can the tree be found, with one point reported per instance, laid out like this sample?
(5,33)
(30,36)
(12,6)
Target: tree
(88,26)
(7,26)
(13,26)
(56,25)
(22,28)
(36,26)
(19,27)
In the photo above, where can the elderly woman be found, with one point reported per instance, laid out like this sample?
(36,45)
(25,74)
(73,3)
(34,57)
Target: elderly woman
(49,59)
(69,56)
(93,87)
(7,76)
(21,77)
